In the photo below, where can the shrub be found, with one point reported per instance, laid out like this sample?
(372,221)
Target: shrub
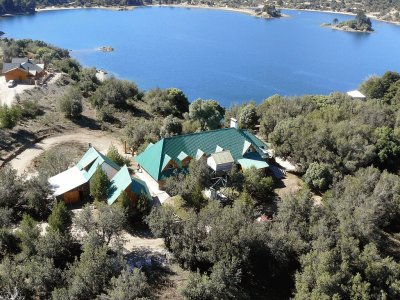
(99,184)
(9,116)
(70,104)
(248,116)
(114,155)
(318,176)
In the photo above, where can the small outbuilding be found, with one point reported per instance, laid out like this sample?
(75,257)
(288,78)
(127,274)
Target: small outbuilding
(220,161)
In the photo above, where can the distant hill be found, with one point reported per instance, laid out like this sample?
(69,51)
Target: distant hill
(388,10)
(28,6)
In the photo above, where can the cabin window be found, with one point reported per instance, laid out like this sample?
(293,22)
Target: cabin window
(185,162)
(169,166)
(250,150)
(89,166)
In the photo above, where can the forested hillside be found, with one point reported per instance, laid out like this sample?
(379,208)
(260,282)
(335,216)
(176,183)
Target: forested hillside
(384,9)
(258,245)
(28,6)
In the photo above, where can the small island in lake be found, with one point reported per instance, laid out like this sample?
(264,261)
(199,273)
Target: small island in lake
(106,49)
(268,12)
(361,23)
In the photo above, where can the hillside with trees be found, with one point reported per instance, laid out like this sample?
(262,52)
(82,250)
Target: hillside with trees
(388,10)
(258,245)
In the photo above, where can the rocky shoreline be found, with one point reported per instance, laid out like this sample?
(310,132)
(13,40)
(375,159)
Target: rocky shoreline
(345,28)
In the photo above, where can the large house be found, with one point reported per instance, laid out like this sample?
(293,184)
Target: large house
(72,185)
(222,148)
(23,70)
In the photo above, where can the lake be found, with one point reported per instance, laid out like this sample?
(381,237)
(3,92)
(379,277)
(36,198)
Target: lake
(227,56)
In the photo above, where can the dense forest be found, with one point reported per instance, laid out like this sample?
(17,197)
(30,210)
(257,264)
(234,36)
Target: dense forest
(258,245)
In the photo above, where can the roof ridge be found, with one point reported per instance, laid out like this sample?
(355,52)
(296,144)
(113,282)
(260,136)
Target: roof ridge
(161,157)
(199,132)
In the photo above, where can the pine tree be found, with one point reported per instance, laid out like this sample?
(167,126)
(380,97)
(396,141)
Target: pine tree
(99,184)
(60,219)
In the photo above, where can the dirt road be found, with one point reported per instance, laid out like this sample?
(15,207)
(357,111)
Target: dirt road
(99,139)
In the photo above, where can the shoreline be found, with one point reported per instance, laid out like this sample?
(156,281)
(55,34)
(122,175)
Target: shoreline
(345,28)
(245,10)
(369,15)
(116,8)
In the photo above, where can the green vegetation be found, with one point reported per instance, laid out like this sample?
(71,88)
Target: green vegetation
(360,23)
(345,246)
(116,157)
(28,6)
(268,11)
(99,185)
(71,104)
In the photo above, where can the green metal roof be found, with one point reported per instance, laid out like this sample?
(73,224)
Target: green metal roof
(232,139)
(140,187)
(90,156)
(118,184)
(252,160)
(94,158)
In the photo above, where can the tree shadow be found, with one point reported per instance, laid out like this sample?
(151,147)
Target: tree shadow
(86,122)
(139,229)
(156,266)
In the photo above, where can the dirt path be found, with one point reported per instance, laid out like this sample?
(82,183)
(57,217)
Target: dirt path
(99,139)
(291,184)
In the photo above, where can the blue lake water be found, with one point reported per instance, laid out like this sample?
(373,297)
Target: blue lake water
(227,56)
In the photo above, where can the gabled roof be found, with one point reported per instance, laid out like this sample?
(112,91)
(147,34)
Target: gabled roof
(93,158)
(153,158)
(24,64)
(251,160)
(140,187)
(84,170)
(119,183)
(66,181)
(222,157)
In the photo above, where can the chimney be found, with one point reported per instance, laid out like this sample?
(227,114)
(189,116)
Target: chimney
(234,123)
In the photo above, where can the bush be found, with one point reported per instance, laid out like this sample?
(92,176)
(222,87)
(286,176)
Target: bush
(167,102)
(9,116)
(248,116)
(71,103)
(114,92)
(60,219)
(99,185)
(318,176)
(257,185)
(171,126)
(130,285)
(114,155)
(30,108)
(106,113)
